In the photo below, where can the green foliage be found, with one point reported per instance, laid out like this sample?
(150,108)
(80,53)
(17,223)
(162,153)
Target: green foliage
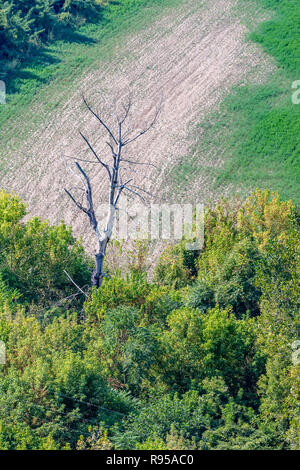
(34,255)
(235,238)
(51,386)
(168,420)
(203,356)
(279,329)
(280,35)
(159,303)
(240,429)
(174,268)
(127,348)
(96,440)
(174,441)
(198,346)
(203,364)
(265,142)
(161,414)
(117,291)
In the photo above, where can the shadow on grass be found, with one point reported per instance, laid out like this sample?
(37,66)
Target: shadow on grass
(38,59)
(15,77)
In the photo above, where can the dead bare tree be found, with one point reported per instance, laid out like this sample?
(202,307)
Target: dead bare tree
(116,186)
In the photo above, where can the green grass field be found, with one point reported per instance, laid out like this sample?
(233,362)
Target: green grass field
(257,127)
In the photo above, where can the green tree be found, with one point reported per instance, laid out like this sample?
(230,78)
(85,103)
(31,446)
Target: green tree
(34,255)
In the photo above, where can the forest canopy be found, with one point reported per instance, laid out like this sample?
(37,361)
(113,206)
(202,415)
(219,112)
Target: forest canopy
(201,358)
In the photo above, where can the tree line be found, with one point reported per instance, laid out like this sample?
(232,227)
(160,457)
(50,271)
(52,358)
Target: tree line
(203,356)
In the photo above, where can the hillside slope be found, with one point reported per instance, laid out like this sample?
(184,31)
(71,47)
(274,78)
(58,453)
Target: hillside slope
(191,56)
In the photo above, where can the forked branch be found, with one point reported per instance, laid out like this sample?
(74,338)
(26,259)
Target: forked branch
(115,186)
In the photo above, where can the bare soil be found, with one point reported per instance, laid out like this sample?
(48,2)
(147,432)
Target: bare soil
(191,58)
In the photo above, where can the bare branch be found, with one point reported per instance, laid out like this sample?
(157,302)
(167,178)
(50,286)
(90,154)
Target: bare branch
(121,188)
(100,120)
(84,175)
(77,176)
(127,109)
(137,194)
(112,149)
(129,169)
(144,131)
(79,159)
(90,212)
(116,187)
(141,189)
(95,154)
(78,187)
(73,282)
(139,163)
(66,298)
(76,202)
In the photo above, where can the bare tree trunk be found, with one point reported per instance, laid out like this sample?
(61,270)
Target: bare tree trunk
(116,185)
(97,275)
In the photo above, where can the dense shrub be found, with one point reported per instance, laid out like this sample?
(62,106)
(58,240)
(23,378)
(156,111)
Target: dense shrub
(205,363)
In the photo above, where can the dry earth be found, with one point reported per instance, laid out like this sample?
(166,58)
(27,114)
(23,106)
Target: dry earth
(191,58)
